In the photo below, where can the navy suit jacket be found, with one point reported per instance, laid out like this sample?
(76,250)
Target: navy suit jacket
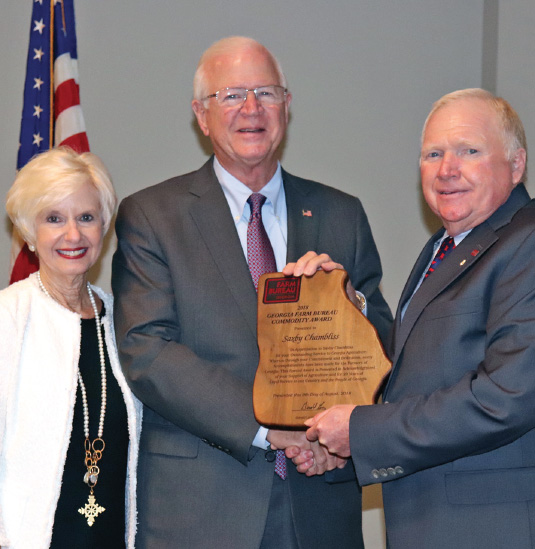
(185,317)
(454,443)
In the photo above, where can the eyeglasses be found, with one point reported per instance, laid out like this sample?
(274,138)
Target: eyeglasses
(236,97)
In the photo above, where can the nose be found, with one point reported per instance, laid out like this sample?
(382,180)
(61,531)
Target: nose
(251,105)
(73,232)
(449,166)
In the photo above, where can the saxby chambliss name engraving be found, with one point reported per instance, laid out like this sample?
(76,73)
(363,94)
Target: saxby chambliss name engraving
(316,349)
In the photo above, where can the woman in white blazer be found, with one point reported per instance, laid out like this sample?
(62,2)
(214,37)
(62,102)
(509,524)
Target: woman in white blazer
(69,425)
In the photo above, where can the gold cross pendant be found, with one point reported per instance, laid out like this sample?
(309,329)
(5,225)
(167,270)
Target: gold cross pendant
(91,510)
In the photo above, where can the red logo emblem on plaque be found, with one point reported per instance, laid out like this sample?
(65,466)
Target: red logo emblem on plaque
(282,290)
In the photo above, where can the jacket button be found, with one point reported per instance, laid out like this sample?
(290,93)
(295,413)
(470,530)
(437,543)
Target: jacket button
(270,456)
(375,473)
(383,472)
(399,470)
(391,471)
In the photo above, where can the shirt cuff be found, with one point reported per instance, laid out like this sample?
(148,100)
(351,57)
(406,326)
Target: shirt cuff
(260,439)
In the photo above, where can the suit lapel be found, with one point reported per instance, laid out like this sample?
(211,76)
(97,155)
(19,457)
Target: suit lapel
(303,218)
(417,270)
(410,285)
(471,250)
(213,219)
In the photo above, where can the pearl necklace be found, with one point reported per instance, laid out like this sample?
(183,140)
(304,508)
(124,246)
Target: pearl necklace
(93,450)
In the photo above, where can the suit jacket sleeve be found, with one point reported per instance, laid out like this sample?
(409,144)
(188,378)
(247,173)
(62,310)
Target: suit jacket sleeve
(468,382)
(191,392)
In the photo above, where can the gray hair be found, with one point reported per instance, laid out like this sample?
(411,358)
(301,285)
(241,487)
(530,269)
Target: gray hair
(222,47)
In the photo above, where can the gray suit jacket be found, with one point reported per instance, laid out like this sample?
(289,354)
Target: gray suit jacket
(186,328)
(455,442)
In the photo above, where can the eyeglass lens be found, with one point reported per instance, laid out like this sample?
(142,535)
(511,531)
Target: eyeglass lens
(267,95)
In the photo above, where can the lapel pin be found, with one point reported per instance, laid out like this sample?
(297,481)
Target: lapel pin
(462,262)
(474,253)
(307,213)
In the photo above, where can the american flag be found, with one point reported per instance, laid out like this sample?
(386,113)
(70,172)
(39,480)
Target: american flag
(51,113)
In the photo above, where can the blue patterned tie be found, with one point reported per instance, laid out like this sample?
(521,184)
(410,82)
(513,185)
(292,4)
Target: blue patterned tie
(448,244)
(261,260)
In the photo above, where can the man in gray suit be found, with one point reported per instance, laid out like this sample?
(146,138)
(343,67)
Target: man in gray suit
(454,441)
(185,319)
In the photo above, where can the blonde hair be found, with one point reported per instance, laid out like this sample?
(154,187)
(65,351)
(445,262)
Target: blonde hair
(49,178)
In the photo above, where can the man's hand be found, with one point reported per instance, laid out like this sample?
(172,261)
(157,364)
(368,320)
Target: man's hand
(331,429)
(280,440)
(309,264)
(315,461)
(312,458)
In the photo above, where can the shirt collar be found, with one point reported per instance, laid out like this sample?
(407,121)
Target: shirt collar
(237,192)
(457,239)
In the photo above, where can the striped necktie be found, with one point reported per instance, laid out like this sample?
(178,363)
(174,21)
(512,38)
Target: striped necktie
(448,244)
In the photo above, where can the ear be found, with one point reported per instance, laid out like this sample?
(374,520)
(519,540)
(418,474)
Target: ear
(288,101)
(200,113)
(518,165)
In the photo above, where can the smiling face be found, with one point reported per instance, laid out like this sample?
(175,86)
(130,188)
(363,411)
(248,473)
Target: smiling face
(466,175)
(244,138)
(69,236)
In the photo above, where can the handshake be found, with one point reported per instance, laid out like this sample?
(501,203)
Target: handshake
(323,447)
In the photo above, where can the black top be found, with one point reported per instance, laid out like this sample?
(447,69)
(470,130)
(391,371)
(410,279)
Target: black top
(70,527)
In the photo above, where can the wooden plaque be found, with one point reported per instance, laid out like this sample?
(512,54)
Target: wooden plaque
(316,349)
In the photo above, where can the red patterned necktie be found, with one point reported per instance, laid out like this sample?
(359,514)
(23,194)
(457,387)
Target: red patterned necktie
(260,254)
(261,260)
(448,244)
